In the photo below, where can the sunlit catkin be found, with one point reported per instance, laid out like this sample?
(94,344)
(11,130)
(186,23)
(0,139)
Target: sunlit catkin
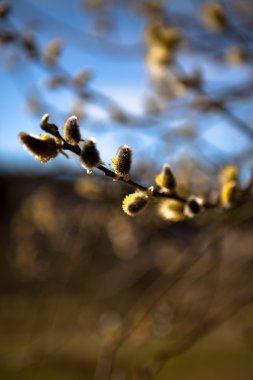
(89,156)
(227,174)
(46,126)
(52,51)
(228,194)
(134,203)
(4,9)
(121,163)
(157,33)
(71,131)
(214,17)
(43,148)
(172,210)
(166,180)
(236,56)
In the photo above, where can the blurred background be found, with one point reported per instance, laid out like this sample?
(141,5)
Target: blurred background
(86,291)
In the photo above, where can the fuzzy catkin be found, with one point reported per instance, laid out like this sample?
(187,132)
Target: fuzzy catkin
(89,156)
(71,131)
(122,161)
(43,148)
(134,203)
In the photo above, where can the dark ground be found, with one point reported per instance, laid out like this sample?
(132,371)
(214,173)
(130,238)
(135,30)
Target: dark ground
(72,266)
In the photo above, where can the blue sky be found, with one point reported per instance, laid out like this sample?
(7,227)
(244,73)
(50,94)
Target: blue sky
(123,77)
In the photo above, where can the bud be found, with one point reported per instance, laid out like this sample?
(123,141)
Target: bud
(228,173)
(194,206)
(155,68)
(52,52)
(89,155)
(193,80)
(56,81)
(29,45)
(71,131)
(228,195)
(236,56)
(48,127)
(159,54)
(82,77)
(162,41)
(7,36)
(118,115)
(4,9)
(121,163)
(166,180)
(214,17)
(134,203)
(160,34)
(43,148)
(204,104)
(172,210)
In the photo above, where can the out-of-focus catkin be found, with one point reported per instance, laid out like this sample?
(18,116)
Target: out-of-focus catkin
(171,210)
(228,194)
(166,179)
(214,17)
(194,206)
(134,203)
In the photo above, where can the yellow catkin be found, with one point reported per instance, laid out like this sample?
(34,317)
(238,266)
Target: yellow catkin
(165,179)
(121,163)
(227,174)
(236,56)
(43,147)
(228,194)
(134,203)
(172,210)
(214,17)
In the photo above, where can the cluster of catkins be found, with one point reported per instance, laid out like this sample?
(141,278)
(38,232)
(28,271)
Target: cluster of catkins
(45,147)
(171,206)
